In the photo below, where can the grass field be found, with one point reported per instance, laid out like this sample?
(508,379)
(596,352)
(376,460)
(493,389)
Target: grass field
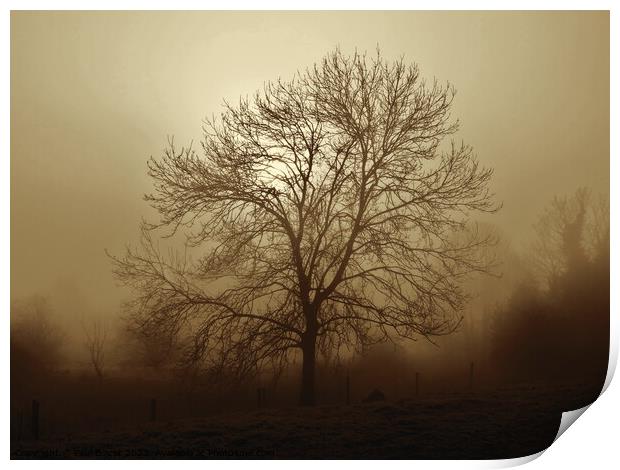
(505,423)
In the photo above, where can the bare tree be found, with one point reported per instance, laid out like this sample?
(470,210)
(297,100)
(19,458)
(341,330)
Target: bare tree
(327,210)
(36,339)
(153,351)
(571,232)
(96,335)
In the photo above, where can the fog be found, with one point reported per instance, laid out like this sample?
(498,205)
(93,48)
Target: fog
(94,95)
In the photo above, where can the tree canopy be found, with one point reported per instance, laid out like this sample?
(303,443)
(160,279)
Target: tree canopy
(324,211)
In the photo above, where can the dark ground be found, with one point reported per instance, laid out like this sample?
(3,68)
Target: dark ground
(505,423)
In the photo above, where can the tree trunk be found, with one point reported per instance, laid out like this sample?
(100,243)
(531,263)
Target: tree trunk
(308,397)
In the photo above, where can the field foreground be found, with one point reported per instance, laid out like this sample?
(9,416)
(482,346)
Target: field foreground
(484,425)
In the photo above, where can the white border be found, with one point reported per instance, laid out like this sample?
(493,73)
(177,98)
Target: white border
(592,442)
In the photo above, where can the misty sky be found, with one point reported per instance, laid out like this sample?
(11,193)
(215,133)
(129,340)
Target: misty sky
(93,95)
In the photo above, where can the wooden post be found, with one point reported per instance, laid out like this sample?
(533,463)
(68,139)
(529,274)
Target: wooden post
(153,410)
(35,419)
(258,397)
(16,424)
(417,383)
(348,390)
(19,425)
(471,375)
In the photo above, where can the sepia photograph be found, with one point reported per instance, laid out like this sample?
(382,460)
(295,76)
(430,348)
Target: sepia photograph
(306,234)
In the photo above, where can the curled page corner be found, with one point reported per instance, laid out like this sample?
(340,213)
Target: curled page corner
(566,421)
(568,418)
(515,462)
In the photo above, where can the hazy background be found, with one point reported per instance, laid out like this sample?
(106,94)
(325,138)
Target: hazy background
(93,95)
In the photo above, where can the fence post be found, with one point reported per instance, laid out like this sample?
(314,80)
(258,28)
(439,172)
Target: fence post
(258,396)
(16,424)
(417,383)
(153,409)
(35,419)
(471,375)
(348,389)
(19,425)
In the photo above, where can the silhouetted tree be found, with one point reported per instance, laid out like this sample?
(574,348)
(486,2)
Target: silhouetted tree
(327,209)
(36,340)
(153,351)
(559,327)
(96,335)
(569,234)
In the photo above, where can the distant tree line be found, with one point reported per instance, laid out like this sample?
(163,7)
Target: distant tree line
(556,323)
